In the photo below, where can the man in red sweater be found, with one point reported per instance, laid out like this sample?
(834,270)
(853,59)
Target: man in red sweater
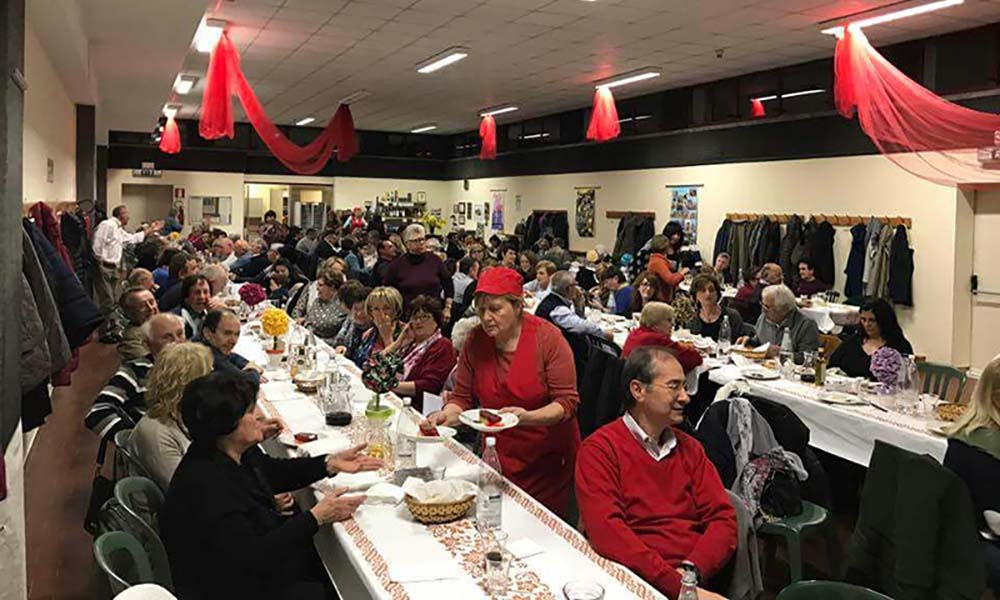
(648,496)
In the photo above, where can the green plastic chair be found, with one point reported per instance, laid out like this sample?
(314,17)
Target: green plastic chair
(115,517)
(123,448)
(794,528)
(828,590)
(937,379)
(142,498)
(123,560)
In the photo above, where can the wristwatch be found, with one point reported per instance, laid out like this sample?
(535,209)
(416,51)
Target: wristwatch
(690,566)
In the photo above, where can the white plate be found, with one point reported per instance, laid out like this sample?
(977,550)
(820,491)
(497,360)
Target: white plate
(444,433)
(760,374)
(471,418)
(844,398)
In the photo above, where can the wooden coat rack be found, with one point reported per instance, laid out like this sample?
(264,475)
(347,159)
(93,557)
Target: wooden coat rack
(836,220)
(621,214)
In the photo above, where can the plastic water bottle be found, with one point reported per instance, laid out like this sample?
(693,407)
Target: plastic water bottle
(786,342)
(725,336)
(689,586)
(489,501)
(406,446)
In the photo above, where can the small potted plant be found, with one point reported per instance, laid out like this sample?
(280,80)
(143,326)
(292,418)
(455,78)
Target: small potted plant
(274,322)
(380,374)
(885,365)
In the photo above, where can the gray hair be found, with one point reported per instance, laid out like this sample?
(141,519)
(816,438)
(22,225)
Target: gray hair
(643,365)
(562,282)
(147,327)
(216,273)
(656,313)
(461,330)
(413,230)
(782,297)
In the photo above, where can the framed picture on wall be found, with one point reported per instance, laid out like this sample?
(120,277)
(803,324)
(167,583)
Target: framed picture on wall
(461,219)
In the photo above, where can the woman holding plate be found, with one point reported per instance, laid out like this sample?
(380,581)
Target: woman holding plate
(516,363)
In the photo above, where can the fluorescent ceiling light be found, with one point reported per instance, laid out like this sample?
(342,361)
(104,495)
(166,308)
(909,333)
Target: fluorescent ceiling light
(894,16)
(208,34)
(305,121)
(424,128)
(635,118)
(184,83)
(356,96)
(170,110)
(627,78)
(442,60)
(791,95)
(534,136)
(499,110)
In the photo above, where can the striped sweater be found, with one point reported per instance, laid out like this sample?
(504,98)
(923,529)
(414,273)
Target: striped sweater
(122,402)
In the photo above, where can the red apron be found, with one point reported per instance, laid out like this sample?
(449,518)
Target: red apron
(540,460)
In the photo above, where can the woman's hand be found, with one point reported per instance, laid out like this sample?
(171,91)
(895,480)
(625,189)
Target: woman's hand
(446,416)
(334,506)
(340,349)
(270,428)
(352,460)
(742,340)
(524,416)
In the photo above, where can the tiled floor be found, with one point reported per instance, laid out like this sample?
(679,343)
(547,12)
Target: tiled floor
(58,475)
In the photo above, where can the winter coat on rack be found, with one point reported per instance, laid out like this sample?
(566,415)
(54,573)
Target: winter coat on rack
(878,278)
(722,239)
(44,349)
(75,236)
(738,249)
(757,229)
(45,220)
(871,248)
(854,288)
(791,242)
(633,233)
(901,268)
(770,243)
(820,251)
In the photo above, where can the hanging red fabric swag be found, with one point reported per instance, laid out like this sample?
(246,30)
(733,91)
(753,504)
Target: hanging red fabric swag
(757,108)
(225,77)
(488,134)
(170,139)
(604,124)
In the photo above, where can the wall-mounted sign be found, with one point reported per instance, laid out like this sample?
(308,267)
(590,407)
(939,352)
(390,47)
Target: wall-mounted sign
(179,193)
(147,173)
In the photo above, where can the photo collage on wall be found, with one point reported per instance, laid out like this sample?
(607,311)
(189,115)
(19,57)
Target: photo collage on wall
(684,210)
(586,199)
(497,212)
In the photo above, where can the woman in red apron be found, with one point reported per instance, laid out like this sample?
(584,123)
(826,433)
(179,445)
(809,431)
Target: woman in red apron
(517,363)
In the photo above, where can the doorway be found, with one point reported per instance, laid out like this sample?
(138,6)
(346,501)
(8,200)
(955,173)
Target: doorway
(147,203)
(986,269)
(304,206)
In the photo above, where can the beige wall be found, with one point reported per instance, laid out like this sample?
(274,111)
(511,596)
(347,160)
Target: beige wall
(49,129)
(862,185)
(194,184)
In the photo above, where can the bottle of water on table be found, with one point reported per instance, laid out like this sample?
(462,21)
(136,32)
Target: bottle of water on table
(689,586)
(489,501)
(725,336)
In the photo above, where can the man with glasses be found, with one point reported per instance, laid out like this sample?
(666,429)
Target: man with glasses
(649,498)
(420,272)
(224,251)
(780,316)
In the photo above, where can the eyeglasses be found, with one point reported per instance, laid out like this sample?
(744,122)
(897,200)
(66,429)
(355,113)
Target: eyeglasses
(419,240)
(417,317)
(673,386)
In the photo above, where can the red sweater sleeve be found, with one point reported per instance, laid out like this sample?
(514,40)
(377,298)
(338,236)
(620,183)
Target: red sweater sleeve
(718,542)
(461,396)
(434,367)
(687,355)
(602,508)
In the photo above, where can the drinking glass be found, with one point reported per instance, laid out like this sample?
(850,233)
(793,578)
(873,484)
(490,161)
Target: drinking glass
(809,360)
(583,590)
(787,360)
(497,561)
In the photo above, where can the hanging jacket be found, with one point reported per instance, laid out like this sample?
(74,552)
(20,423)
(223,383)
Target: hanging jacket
(645,229)
(821,253)
(878,278)
(600,391)
(901,268)
(792,239)
(74,232)
(45,350)
(915,537)
(871,249)
(854,287)
(45,220)
(738,251)
(722,239)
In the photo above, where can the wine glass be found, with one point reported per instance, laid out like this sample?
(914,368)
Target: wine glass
(583,590)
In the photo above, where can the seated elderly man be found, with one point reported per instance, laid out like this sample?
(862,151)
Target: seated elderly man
(138,304)
(122,402)
(220,331)
(780,316)
(218,283)
(141,278)
(649,497)
(224,251)
(656,323)
(560,307)
(241,249)
(195,294)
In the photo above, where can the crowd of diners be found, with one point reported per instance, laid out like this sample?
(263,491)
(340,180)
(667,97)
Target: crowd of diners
(455,310)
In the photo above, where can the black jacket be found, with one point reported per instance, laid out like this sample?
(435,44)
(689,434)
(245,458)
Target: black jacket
(791,248)
(820,250)
(901,268)
(600,390)
(980,471)
(854,288)
(721,239)
(223,535)
(253,268)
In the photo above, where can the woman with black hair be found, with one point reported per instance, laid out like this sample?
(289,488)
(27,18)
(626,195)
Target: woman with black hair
(224,535)
(878,327)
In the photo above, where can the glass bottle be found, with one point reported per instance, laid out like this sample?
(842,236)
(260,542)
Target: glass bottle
(489,501)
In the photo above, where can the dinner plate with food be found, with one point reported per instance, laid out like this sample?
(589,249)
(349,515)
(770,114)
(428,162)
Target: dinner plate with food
(760,373)
(843,398)
(487,421)
(431,434)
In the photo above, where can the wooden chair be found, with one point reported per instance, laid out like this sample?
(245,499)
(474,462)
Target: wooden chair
(829,344)
(937,379)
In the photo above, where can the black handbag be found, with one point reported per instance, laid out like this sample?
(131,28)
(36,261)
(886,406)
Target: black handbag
(101,490)
(782,496)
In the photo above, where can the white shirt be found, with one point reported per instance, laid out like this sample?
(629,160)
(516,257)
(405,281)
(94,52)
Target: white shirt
(657,449)
(110,237)
(228,261)
(461,282)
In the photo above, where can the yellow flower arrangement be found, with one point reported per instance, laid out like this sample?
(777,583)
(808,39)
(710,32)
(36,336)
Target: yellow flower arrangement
(274,322)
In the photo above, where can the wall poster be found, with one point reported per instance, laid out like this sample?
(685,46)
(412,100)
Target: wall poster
(684,210)
(586,198)
(497,213)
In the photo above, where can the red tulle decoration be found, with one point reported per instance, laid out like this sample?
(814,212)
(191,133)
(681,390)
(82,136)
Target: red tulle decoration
(225,77)
(604,124)
(757,108)
(921,132)
(488,134)
(170,140)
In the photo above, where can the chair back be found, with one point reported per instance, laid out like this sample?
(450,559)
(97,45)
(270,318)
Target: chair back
(123,560)
(937,380)
(123,449)
(828,590)
(142,498)
(114,517)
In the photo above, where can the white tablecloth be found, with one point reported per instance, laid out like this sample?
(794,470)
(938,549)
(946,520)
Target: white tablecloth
(361,554)
(845,431)
(831,318)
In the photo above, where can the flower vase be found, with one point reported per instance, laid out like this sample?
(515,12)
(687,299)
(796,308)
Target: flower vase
(275,352)
(379,441)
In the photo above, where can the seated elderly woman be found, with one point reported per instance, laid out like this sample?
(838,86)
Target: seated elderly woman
(878,327)
(322,312)
(352,296)
(224,535)
(781,317)
(655,327)
(428,357)
(384,307)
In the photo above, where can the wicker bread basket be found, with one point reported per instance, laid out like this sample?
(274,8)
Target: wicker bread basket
(438,512)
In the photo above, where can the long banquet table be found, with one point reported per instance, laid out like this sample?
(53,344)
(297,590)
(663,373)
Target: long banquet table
(382,550)
(845,431)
